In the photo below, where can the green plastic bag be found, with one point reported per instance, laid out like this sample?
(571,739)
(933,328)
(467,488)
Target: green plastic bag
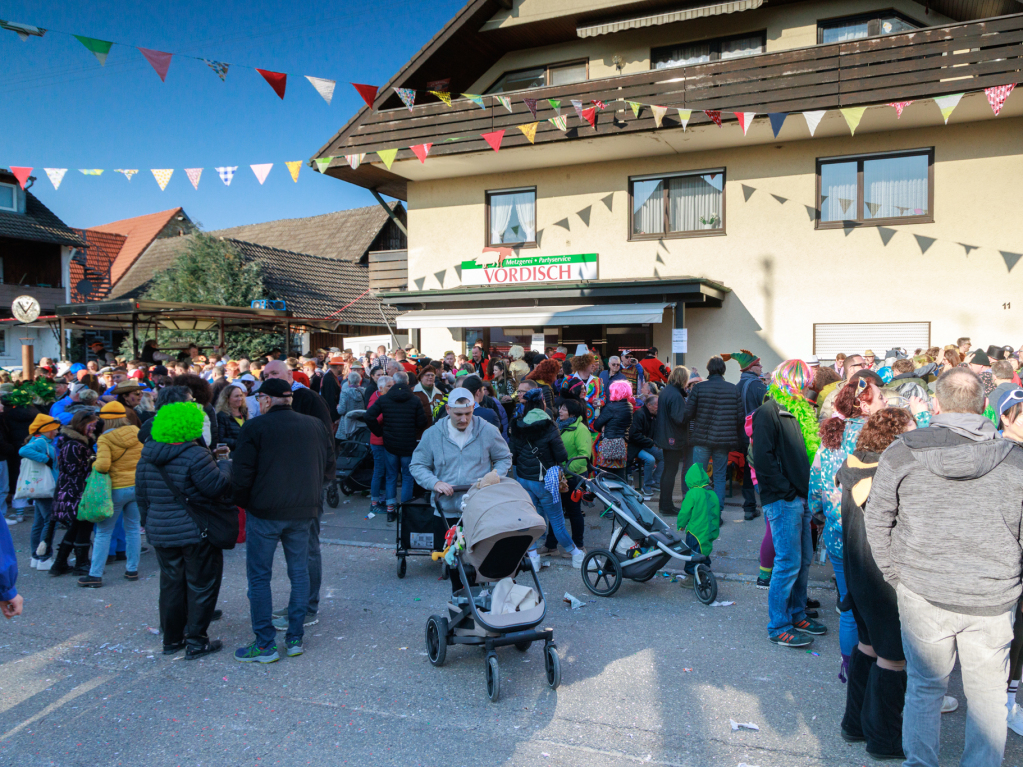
(96,504)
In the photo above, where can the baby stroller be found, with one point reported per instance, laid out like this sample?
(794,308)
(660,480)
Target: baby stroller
(498,526)
(422,525)
(641,543)
(353,468)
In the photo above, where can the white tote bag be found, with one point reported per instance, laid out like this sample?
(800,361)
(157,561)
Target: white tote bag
(35,480)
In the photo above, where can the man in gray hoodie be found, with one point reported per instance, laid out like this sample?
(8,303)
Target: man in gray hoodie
(952,493)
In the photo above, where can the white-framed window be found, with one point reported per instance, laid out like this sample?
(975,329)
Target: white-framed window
(677,204)
(8,197)
(511,217)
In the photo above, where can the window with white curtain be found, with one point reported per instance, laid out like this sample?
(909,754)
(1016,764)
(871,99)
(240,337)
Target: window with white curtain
(876,189)
(511,217)
(685,54)
(860,27)
(678,205)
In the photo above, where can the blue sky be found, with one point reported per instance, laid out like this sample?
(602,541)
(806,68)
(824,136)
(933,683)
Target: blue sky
(63,110)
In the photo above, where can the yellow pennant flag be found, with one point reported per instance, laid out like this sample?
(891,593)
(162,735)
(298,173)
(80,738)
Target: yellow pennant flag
(162,176)
(387,155)
(529,131)
(684,115)
(659,113)
(293,167)
(853,115)
(636,107)
(445,97)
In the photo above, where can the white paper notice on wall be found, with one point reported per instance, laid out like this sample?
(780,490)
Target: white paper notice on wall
(679,340)
(537,344)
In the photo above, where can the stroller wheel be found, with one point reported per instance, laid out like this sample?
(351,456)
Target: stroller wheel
(552,665)
(346,488)
(402,567)
(493,678)
(706,585)
(602,574)
(333,499)
(437,639)
(522,646)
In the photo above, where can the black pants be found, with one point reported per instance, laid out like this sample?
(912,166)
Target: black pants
(673,459)
(573,513)
(189,586)
(79,533)
(749,494)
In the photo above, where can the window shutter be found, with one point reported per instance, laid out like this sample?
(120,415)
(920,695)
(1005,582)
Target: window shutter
(830,339)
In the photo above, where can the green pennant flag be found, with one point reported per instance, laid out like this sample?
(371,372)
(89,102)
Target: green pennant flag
(555,105)
(636,106)
(387,155)
(322,163)
(99,48)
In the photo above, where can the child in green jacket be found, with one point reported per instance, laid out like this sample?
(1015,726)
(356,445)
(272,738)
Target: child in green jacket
(700,515)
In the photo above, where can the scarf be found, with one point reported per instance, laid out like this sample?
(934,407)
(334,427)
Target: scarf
(564,423)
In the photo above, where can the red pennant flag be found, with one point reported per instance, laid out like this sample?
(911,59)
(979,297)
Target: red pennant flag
(714,115)
(368,93)
(996,96)
(159,60)
(590,116)
(494,139)
(277,80)
(421,151)
(21,174)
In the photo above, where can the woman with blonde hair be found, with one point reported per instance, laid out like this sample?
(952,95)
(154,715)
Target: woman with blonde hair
(232,412)
(670,435)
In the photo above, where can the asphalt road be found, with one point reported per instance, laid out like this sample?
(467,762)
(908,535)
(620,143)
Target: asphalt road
(649,675)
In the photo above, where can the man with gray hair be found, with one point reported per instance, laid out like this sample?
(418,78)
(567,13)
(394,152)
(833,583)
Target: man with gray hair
(953,491)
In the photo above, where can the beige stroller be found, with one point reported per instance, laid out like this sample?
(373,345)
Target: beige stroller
(487,607)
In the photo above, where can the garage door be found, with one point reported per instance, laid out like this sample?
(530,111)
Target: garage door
(829,339)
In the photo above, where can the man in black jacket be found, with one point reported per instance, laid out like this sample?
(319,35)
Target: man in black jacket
(404,418)
(670,435)
(752,390)
(714,411)
(330,386)
(280,464)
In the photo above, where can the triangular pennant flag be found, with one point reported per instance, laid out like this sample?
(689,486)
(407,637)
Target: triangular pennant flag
(217,66)
(659,113)
(323,86)
(899,106)
(407,96)
(56,175)
(1011,259)
(368,93)
(555,105)
(968,248)
(531,106)
(99,48)
(421,151)
(91,171)
(293,168)
(355,160)
(886,234)
(226,174)
(598,104)
(494,139)
(443,96)
(844,202)
(852,116)
(996,96)
(21,174)
(277,80)
(322,163)
(714,115)
(590,116)
(262,170)
(777,120)
(747,192)
(387,155)
(560,122)
(477,100)
(947,104)
(128,172)
(193,175)
(24,31)
(813,119)
(163,176)
(684,116)
(873,207)
(505,102)
(924,243)
(159,60)
(780,199)
(745,120)
(578,106)
(529,131)
(636,107)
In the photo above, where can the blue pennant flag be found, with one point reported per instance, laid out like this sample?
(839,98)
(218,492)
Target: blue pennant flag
(777,119)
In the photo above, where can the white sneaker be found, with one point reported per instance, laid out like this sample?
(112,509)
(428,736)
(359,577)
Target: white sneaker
(45,564)
(949,704)
(1015,719)
(535,559)
(33,563)
(11,521)
(577,558)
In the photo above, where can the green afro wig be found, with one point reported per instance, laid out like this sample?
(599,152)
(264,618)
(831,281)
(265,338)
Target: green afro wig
(20,397)
(178,422)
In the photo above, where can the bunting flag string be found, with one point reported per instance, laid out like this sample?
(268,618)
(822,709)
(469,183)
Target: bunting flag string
(324,87)
(996,96)
(777,120)
(354,160)
(442,95)
(636,107)
(226,174)
(813,119)
(578,107)
(947,104)
(294,166)
(684,116)
(555,105)
(531,106)
(852,116)
(590,116)
(262,170)
(745,120)
(21,174)
(219,67)
(899,106)
(159,60)
(599,104)
(714,115)
(387,156)
(421,151)
(560,122)
(407,96)
(369,93)
(322,163)
(56,175)
(162,176)
(505,102)
(91,171)
(477,100)
(100,48)
(277,80)
(529,131)
(194,174)
(659,113)
(128,172)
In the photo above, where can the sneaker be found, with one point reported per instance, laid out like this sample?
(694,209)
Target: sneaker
(812,604)
(88,582)
(131,575)
(10,521)
(256,654)
(535,559)
(121,556)
(686,582)
(795,639)
(1015,719)
(764,583)
(749,516)
(577,558)
(45,564)
(212,646)
(392,512)
(294,647)
(173,649)
(281,622)
(948,704)
(812,627)
(33,563)
(217,615)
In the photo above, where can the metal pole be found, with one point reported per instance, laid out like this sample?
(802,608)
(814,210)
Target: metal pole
(678,314)
(222,345)
(287,338)
(135,336)
(63,339)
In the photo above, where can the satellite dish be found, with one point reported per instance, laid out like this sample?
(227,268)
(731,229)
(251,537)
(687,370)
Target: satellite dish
(84,288)
(26,309)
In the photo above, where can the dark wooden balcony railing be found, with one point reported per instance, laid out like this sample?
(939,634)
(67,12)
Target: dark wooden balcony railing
(921,64)
(388,270)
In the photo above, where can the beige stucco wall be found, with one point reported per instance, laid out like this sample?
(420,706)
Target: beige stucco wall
(784,274)
(787,26)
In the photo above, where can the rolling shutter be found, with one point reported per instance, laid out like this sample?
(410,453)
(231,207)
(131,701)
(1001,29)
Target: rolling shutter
(830,339)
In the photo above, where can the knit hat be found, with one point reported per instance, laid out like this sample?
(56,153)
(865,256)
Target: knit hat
(178,422)
(744,357)
(112,411)
(42,424)
(980,358)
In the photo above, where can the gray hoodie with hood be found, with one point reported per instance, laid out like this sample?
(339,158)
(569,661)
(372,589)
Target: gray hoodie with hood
(944,514)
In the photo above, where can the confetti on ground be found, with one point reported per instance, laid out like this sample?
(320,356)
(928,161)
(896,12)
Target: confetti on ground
(721,604)
(811,652)
(686,670)
(745,725)
(151,630)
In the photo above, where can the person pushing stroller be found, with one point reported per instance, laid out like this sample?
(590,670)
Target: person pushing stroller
(700,517)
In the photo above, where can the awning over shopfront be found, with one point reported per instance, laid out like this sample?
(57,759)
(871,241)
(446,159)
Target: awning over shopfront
(670,17)
(535,316)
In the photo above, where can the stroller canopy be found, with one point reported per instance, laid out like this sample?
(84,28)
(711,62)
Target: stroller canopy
(492,512)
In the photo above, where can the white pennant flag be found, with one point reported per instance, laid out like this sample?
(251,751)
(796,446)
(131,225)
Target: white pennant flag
(56,175)
(947,104)
(745,120)
(262,171)
(324,87)
(813,119)
(659,113)
(684,116)
(355,160)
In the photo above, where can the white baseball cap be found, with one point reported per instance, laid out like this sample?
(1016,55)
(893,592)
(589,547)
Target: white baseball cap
(459,394)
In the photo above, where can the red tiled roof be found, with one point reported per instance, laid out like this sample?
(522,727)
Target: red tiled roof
(139,233)
(94,263)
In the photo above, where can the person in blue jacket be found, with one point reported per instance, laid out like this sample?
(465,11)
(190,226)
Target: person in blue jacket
(10,599)
(39,447)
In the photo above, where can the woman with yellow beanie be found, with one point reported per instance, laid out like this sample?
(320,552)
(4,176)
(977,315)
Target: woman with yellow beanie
(117,452)
(39,447)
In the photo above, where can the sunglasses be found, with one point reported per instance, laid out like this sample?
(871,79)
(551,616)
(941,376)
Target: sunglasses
(1011,399)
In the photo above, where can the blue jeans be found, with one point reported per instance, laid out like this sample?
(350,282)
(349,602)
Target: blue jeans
(848,636)
(43,510)
(793,550)
(261,537)
(394,464)
(548,507)
(124,506)
(315,566)
(376,489)
(703,455)
(693,543)
(118,541)
(653,466)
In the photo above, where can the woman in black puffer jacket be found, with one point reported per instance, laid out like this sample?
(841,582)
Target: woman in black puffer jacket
(613,426)
(190,567)
(671,434)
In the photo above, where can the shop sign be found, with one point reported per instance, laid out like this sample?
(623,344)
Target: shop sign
(533,270)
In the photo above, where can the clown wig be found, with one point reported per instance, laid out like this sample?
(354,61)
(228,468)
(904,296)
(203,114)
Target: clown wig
(788,381)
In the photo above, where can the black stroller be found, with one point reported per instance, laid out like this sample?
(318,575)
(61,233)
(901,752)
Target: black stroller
(422,524)
(487,608)
(353,468)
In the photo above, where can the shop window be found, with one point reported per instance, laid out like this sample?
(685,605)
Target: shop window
(511,217)
(8,197)
(873,190)
(564,73)
(868,25)
(677,205)
(684,54)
